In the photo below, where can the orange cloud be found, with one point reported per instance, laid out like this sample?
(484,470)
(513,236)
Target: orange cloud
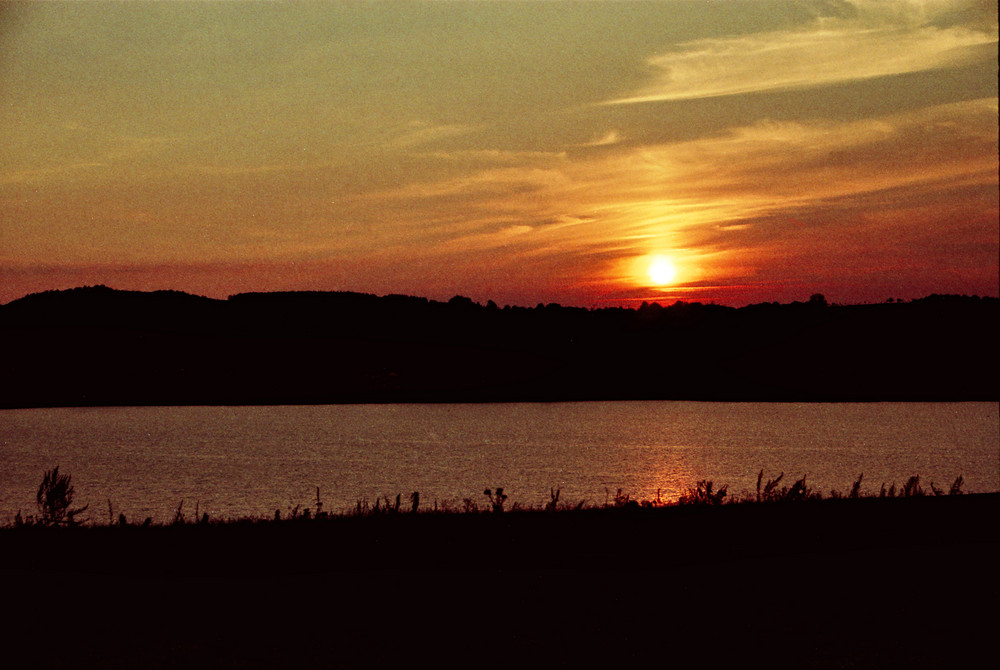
(757,194)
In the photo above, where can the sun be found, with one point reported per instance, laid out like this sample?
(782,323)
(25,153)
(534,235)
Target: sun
(661,270)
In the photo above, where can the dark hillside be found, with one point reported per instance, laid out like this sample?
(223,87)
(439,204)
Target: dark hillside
(98,346)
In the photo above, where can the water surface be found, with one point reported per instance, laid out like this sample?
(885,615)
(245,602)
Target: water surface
(238,461)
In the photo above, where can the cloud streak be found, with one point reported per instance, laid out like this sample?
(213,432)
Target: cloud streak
(872,42)
(727,207)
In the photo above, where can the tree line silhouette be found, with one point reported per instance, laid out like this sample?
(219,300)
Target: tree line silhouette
(100,346)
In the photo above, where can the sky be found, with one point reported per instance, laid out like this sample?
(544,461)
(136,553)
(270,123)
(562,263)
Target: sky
(592,154)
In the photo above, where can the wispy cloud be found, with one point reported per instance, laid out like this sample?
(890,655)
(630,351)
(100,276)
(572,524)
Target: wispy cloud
(238,170)
(39,174)
(493,156)
(607,139)
(727,207)
(418,133)
(874,40)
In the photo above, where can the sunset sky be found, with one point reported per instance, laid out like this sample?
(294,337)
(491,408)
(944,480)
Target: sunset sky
(591,154)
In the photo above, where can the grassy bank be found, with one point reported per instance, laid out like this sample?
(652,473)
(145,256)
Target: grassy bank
(55,500)
(623,537)
(904,581)
(703,526)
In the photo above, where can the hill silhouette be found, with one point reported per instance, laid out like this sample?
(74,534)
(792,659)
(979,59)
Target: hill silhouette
(100,346)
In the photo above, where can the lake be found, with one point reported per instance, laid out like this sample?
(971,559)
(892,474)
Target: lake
(242,461)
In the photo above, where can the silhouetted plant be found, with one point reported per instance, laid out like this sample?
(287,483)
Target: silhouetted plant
(179,514)
(553,504)
(702,494)
(382,506)
(768,493)
(798,491)
(620,499)
(496,500)
(954,490)
(320,514)
(55,499)
(415,501)
(445,506)
(388,507)
(856,488)
(912,488)
(655,502)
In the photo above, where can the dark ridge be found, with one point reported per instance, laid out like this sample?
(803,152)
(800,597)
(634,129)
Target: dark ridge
(103,307)
(99,346)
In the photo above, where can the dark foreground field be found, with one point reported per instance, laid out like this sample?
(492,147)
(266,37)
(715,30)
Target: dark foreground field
(846,584)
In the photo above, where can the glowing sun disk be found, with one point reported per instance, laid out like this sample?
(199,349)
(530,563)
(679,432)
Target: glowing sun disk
(661,270)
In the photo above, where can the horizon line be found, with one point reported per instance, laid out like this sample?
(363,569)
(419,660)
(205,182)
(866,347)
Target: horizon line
(643,301)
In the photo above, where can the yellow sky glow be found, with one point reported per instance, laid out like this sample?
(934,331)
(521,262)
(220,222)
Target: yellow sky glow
(522,153)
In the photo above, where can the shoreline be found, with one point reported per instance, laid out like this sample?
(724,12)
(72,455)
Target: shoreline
(531,401)
(592,534)
(831,583)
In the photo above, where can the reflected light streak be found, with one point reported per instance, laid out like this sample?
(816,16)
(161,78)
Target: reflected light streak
(671,477)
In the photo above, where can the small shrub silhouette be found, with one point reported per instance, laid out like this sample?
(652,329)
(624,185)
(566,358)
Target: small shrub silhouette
(856,488)
(769,488)
(55,500)
(658,501)
(911,488)
(553,504)
(702,494)
(619,499)
(496,500)
(799,490)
